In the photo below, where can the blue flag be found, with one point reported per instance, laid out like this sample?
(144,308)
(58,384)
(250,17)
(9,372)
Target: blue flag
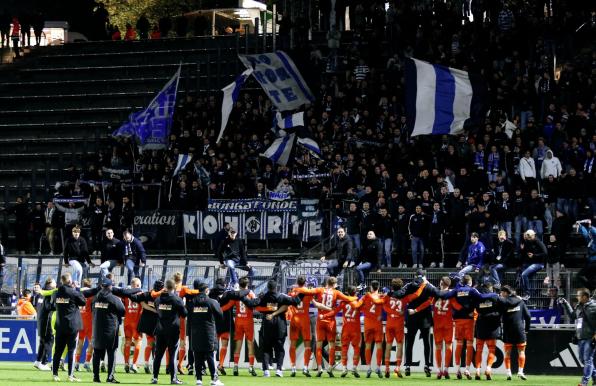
(151,127)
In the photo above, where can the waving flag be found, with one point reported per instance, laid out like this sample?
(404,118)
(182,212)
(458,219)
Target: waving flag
(442,100)
(183,160)
(289,121)
(280,150)
(230,96)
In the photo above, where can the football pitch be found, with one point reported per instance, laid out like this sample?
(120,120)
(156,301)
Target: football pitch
(23,374)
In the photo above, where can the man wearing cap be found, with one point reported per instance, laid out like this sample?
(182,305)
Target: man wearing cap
(203,312)
(107,311)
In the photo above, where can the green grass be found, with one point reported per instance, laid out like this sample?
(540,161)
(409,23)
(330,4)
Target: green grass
(23,374)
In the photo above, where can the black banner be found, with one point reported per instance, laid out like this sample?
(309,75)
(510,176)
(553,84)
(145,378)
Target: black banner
(158,229)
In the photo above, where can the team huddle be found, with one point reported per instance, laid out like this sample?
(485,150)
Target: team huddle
(171,314)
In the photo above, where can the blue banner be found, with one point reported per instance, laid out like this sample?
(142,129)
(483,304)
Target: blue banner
(18,340)
(546,316)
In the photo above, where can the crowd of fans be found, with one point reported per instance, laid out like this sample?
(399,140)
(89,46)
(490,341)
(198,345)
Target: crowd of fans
(530,166)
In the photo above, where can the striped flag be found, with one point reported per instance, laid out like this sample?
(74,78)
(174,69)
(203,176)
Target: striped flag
(280,150)
(183,160)
(230,96)
(310,144)
(289,121)
(442,100)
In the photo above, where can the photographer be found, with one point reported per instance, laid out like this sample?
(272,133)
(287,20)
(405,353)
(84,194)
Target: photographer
(586,274)
(584,316)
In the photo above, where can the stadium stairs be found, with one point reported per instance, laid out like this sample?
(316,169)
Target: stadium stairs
(60,104)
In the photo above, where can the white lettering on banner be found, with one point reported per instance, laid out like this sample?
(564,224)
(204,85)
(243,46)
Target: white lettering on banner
(280,79)
(210,225)
(273,224)
(22,342)
(4,340)
(315,228)
(155,219)
(189,223)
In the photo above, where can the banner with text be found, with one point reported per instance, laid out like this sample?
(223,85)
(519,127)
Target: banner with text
(157,229)
(258,219)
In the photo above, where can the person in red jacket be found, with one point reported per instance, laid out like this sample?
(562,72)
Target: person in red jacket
(116,35)
(15,35)
(131,34)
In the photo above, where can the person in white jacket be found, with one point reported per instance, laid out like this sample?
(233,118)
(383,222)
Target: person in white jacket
(527,171)
(551,166)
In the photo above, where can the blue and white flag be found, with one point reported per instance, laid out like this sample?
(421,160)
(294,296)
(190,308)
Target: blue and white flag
(280,150)
(230,96)
(127,130)
(280,79)
(152,125)
(310,144)
(183,160)
(442,100)
(289,121)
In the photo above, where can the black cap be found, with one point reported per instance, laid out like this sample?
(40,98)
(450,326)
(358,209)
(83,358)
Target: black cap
(202,287)
(106,282)
(420,272)
(196,284)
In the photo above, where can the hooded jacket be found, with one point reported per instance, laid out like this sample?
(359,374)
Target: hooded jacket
(550,166)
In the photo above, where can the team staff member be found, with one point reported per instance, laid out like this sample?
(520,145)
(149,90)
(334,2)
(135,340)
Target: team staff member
(87,331)
(342,246)
(202,315)
(44,328)
(516,324)
(148,320)
(131,333)
(68,324)
(273,306)
(421,320)
(107,312)
(488,330)
(584,316)
(169,310)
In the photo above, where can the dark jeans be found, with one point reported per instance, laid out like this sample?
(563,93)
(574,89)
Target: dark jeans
(165,342)
(272,344)
(200,358)
(333,268)
(65,341)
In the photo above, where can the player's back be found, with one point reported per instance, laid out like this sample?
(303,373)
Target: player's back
(243,313)
(372,308)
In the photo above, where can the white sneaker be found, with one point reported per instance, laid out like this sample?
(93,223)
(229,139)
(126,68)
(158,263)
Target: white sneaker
(56,378)
(216,382)
(72,378)
(279,373)
(458,265)
(199,383)
(433,265)
(44,367)
(51,253)
(266,374)
(38,253)
(36,364)
(441,265)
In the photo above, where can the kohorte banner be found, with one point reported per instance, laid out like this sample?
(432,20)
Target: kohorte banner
(257,219)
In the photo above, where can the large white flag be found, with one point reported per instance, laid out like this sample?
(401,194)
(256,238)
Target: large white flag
(230,96)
